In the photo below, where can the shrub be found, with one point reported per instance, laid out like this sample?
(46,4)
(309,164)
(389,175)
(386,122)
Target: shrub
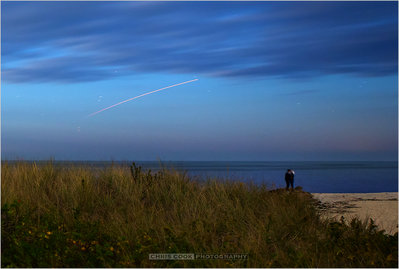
(115,217)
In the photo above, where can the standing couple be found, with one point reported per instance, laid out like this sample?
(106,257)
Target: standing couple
(289,178)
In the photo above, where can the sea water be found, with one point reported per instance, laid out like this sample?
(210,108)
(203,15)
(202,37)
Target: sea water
(329,177)
(326,177)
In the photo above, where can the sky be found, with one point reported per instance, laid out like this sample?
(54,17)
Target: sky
(277,81)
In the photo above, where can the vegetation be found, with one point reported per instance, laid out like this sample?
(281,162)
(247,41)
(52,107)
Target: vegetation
(82,217)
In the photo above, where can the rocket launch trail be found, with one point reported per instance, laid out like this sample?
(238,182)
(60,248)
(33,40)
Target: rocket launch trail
(144,94)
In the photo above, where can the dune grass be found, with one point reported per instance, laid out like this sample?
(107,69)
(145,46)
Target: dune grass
(115,217)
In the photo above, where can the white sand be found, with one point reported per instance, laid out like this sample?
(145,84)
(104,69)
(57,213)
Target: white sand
(381,207)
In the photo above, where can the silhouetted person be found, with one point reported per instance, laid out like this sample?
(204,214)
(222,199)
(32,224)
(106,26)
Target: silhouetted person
(289,179)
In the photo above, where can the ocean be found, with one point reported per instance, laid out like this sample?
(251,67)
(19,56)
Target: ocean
(326,177)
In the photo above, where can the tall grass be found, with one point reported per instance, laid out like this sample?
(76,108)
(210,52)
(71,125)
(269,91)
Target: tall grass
(81,217)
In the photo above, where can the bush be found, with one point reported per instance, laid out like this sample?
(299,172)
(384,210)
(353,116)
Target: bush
(115,217)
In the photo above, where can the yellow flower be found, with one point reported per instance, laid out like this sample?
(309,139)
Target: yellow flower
(46,237)
(30,232)
(74,241)
(111,248)
(49,233)
(83,248)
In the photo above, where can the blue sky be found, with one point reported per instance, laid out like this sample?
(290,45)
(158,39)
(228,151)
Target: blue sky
(277,80)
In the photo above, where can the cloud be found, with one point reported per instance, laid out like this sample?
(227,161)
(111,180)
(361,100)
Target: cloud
(71,42)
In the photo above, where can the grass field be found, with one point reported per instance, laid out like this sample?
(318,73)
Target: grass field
(115,217)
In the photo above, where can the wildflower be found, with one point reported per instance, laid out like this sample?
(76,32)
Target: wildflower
(74,241)
(147,237)
(49,233)
(30,232)
(83,248)
(46,236)
(111,248)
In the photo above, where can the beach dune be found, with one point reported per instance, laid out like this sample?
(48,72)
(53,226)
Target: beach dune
(381,207)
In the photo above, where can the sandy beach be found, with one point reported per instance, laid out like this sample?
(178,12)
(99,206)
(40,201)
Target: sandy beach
(381,207)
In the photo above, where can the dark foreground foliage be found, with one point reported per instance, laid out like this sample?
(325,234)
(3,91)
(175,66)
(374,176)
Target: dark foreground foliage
(79,217)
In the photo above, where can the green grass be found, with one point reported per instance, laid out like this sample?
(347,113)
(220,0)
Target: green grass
(81,217)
